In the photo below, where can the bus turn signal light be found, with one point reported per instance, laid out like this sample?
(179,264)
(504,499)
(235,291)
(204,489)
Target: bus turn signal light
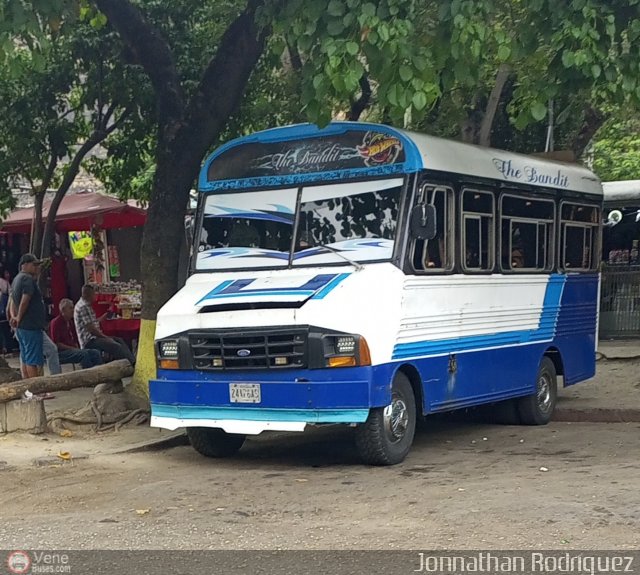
(365,354)
(169,364)
(342,361)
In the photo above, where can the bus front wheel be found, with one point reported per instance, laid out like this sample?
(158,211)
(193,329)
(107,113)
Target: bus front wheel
(537,408)
(214,442)
(386,437)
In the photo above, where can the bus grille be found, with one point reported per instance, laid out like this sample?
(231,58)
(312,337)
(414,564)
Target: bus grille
(275,349)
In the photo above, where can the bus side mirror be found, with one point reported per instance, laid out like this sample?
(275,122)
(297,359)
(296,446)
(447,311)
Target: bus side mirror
(423,222)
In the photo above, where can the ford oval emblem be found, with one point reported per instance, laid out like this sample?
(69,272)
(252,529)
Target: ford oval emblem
(243,352)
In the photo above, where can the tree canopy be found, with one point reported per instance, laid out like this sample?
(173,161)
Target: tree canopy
(199,71)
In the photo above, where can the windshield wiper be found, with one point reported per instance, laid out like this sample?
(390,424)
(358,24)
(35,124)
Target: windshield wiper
(345,258)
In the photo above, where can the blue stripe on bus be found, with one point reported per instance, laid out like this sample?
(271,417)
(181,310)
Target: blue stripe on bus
(330,286)
(318,287)
(544,332)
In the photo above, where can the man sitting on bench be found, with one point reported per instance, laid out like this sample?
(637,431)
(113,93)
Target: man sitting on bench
(63,334)
(89,332)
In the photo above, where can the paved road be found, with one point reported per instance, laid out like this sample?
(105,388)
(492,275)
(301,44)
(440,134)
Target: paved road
(462,486)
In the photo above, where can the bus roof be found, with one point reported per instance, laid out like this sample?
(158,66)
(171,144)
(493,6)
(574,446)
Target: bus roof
(622,193)
(292,155)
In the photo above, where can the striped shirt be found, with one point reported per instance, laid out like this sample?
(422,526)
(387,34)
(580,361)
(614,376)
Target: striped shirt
(84,316)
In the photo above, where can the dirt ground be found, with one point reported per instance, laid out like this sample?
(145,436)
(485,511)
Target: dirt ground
(463,486)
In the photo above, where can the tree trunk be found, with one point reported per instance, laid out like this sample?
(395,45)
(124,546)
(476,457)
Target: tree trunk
(592,122)
(186,130)
(108,373)
(36,232)
(164,229)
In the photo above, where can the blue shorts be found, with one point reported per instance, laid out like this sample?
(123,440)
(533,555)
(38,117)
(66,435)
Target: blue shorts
(31,351)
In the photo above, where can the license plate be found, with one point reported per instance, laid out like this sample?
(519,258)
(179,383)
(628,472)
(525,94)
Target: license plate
(244,392)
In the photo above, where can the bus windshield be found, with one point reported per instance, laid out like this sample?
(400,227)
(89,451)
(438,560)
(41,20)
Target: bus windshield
(257,229)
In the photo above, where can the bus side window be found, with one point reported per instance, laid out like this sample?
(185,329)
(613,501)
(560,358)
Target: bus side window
(478,230)
(579,237)
(435,254)
(527,233)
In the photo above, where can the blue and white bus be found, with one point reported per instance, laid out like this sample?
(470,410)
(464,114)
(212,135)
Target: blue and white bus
(369,276)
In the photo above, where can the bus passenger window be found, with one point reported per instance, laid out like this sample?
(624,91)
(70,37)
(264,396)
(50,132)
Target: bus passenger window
(478,229)
(435,254)
(579,235)
(527,226)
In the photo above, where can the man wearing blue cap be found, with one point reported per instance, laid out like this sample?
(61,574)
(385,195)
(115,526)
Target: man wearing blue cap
(30,318)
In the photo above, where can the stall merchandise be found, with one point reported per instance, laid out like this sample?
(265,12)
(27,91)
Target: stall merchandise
(121,301)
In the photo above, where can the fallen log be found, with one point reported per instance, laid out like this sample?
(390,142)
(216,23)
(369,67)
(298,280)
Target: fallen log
(108,373)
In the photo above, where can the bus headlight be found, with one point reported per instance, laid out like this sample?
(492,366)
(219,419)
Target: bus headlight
(168,354)
(169,348)
(346,351)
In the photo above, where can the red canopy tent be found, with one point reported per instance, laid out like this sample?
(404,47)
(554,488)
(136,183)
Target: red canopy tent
(79,212)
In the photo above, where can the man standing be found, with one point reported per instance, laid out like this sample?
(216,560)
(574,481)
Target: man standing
(30,317)
(63,334)
(89,333)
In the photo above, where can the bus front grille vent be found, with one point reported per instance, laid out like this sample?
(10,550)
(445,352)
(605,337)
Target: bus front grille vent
(245,351)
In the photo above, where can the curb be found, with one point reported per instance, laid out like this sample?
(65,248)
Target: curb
(596,415)
(603,357)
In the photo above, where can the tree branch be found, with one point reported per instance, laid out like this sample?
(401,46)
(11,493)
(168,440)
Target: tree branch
(117,122)
(362,103)
(97,136)
(48,174)
(484,138)
(151,51)
(294,56)
(225,78)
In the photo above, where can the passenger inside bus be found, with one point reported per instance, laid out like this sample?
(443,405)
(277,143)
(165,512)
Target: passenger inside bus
(517,258)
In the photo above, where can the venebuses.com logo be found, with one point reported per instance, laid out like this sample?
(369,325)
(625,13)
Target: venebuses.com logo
(18,562)
(35,562)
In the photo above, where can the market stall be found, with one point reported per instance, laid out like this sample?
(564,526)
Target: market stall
(97,242)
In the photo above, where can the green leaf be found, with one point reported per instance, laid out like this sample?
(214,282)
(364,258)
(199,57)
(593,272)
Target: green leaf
(504,52)
(304,43)
(335,27)
(538,111)
(392,95)
(568,59)
(420,63)
(406,73)
(352,48)
(383,31)
(369,9)
(419,101)
(335,8)
(596,70)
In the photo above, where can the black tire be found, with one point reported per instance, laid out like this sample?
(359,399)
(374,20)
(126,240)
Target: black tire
(386,437)
(214,442)
(537,408)
(505,412)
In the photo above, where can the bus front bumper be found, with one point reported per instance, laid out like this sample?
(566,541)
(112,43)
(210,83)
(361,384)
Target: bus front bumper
(288,401)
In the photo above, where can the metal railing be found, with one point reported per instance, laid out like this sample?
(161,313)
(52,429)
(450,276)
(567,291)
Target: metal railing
(620,302)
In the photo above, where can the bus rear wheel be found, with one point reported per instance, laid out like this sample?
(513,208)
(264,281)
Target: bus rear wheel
(386,437)
(537,408)
(214,442)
